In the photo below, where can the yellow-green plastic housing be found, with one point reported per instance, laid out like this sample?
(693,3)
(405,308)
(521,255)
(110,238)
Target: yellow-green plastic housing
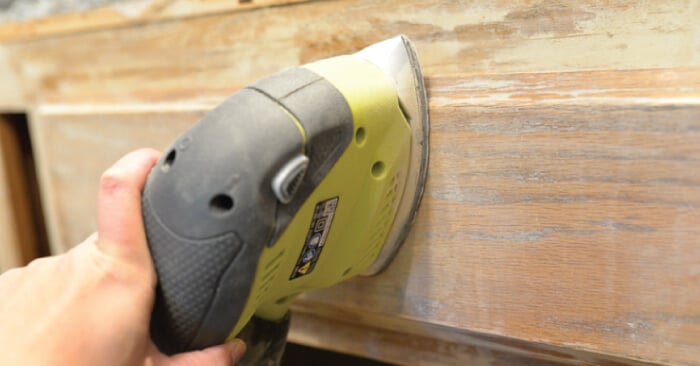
(368,179)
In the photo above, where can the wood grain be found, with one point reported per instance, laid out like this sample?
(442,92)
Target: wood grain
(82,16)
(10,253)
(13,97)
(202,59)
(19,235)
(401,342)
(558,222)
(560,218)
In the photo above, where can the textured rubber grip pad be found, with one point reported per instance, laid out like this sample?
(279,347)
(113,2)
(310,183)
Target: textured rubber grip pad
(189,272)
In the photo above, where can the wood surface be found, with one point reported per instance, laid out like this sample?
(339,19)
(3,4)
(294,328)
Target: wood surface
(560,216)
(200,60)
(10,253)
(43,18)
(568,221)
(20,238)
(401,343)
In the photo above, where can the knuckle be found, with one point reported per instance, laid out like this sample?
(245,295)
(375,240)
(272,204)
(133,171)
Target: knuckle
(38,262)
(113,180)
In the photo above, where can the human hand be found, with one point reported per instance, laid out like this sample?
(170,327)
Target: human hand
(92,305)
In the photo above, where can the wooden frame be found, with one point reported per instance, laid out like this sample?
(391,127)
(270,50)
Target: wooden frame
(560,218)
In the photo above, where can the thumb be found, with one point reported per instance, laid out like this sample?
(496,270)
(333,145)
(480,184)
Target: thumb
(222,355)
(119,224)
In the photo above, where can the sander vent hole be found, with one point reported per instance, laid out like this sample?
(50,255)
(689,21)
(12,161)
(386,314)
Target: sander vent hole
(169,160)
(378,169)
(221,203)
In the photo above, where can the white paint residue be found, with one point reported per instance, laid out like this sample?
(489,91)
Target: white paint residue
(483,83)
(571,99)
(133,9)
(58,109)
(458,14)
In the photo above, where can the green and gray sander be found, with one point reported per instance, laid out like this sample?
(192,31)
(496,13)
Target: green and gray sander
(299,181)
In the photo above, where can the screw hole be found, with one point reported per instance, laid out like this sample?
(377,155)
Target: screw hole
(221,203)
(378,169)
(360,136)
(169,160)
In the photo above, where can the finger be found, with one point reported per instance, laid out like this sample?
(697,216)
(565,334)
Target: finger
(119,223)
(223,355)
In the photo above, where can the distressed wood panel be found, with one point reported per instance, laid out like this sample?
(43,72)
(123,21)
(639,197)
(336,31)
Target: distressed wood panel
(201,59)
(22,19)
(560,218)
(406,342)
(560,209)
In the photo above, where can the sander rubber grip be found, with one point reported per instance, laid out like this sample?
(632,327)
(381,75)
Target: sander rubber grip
(184,289)
(208,212)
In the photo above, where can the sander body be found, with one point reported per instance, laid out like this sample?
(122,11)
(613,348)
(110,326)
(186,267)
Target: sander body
(298,181)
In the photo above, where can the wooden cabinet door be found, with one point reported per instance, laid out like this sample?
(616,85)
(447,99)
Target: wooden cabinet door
(560,219)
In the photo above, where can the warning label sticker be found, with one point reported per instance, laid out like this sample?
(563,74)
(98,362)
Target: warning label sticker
(315,238)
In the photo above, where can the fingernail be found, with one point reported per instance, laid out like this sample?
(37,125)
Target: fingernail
(237,349)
